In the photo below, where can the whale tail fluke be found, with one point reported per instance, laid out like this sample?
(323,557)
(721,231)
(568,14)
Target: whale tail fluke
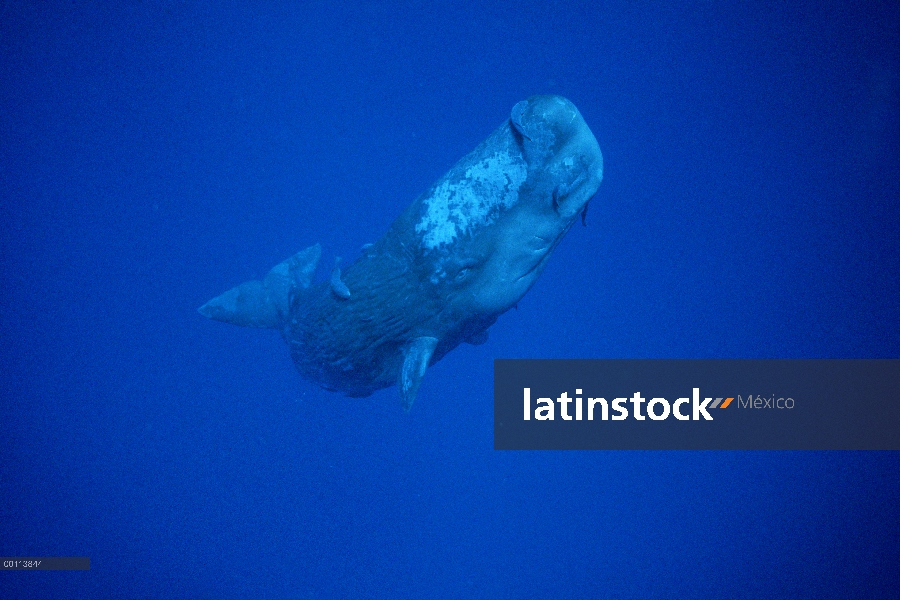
(265,303)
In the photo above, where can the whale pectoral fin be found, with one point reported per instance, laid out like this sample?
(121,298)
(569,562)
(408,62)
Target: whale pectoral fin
(414,364)
(338,287)
(265,303)
(478,338)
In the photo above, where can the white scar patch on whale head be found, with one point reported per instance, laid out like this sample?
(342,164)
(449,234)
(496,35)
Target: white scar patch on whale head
(460,204)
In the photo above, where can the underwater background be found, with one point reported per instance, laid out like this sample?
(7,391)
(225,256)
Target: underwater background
(153,155)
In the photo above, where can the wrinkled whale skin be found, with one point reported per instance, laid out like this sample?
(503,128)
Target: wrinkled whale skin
(462,254)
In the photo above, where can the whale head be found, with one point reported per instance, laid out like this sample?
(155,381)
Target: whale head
(488,227)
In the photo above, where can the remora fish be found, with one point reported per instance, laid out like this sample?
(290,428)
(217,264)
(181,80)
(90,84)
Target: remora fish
(464,253)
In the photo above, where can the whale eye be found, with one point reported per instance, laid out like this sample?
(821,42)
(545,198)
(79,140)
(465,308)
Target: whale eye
(462,275)
(562,192)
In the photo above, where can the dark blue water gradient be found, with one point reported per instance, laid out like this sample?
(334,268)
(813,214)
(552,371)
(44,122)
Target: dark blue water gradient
(152,156)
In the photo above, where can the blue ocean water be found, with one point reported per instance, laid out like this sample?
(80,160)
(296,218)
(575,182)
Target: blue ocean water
(154,155)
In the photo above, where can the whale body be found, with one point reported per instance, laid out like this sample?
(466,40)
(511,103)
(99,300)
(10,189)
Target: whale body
(462,254)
